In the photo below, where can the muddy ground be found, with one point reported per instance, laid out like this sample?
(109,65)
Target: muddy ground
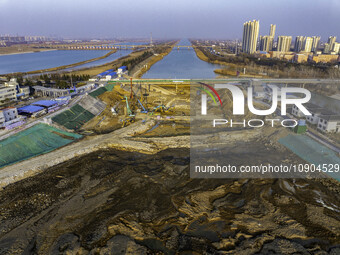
(113,202)
(116,202)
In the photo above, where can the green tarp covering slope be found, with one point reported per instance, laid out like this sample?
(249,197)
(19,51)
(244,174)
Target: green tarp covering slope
(73,118)
(39,139)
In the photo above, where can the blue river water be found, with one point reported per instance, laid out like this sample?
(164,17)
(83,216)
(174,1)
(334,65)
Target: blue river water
(112,57)
(47,59)
(182,63)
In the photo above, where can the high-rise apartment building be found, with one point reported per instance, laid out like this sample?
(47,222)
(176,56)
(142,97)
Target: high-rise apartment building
(331,41)
(250,36)
(283,43)
(336,48)
(272,30)
(266,43)
(315,44)
(299,42)
(307,46)
(327,49)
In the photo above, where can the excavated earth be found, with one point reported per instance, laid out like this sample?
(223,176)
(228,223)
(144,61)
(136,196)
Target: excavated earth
(115,202)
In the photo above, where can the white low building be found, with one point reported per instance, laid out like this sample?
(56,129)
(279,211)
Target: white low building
(325,121)
(259,92)
(10,113)
(329,123)
(268,89)
(8,116)
(7,93)
(312,108)
(11,91)
(50,92)
(12,82)
(24,92)
(2,119)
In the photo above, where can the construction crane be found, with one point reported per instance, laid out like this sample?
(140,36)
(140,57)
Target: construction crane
(128,107)
(143,108)
(131,118)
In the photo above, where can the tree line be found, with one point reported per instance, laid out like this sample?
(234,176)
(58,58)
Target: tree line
(279,67)
(130,63)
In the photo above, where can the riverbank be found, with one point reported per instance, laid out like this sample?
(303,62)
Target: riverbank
(144,66)
(244,65)
(21,49)
(94,70)
(60,68)
(120,61)
(230,70)
(26,52)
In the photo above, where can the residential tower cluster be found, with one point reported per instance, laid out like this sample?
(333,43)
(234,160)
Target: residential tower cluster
(305,48)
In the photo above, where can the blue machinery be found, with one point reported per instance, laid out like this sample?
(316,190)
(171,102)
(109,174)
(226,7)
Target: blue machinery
(144,110)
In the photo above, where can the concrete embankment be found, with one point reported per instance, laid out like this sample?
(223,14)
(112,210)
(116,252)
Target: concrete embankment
(121,139)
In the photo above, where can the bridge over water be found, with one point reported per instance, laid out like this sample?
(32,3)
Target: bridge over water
(119,47)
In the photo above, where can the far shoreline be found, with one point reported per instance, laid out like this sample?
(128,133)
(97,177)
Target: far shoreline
(60,68)
(25,52)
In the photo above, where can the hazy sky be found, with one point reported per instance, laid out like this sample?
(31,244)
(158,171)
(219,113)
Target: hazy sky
(167,19)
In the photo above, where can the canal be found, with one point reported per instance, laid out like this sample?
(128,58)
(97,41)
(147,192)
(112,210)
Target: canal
(180,64)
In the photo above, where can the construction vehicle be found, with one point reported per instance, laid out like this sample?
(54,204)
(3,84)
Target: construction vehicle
(162,109)
(128,121)
(181,92)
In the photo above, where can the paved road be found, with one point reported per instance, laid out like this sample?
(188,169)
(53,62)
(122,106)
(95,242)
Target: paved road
(324,141)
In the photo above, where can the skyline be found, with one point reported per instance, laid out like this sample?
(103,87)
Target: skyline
(169,19)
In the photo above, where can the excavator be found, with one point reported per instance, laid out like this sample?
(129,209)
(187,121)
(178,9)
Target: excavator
(128,121)
(162,109)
